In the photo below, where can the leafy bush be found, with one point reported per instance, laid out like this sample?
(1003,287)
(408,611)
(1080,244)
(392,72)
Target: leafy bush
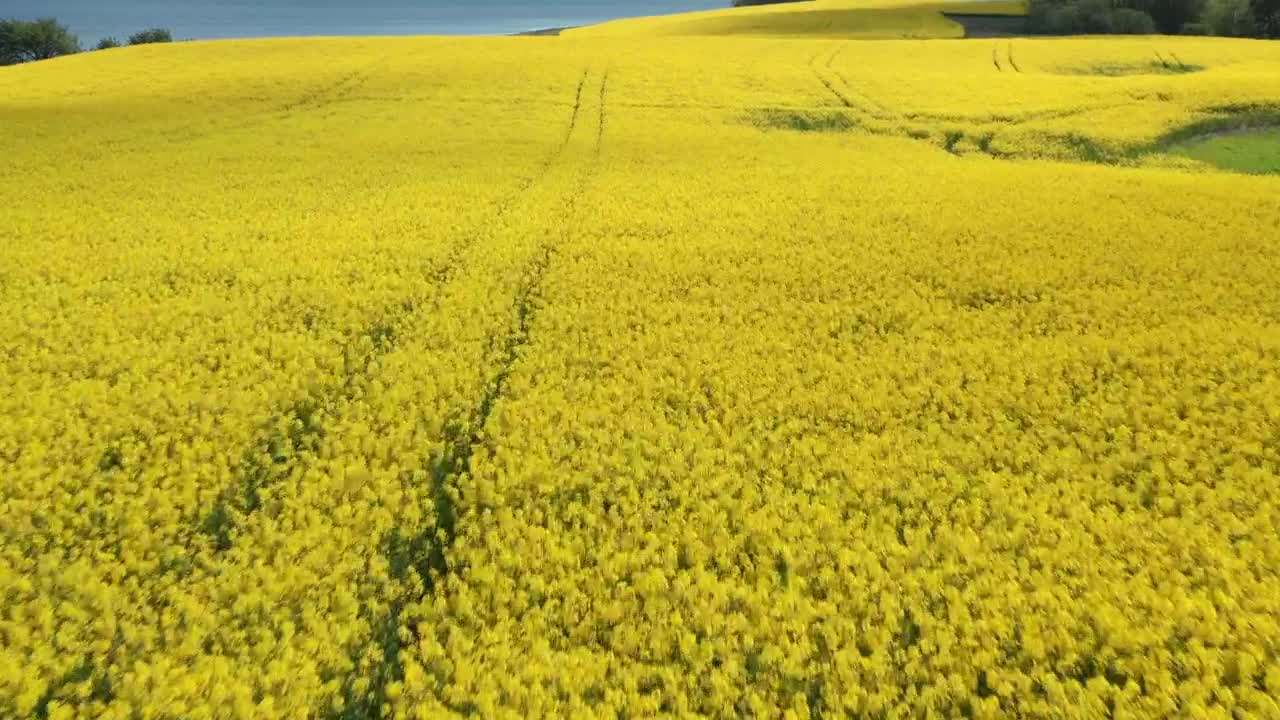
(1238,18)
(1231,18)
(151,35)
(1169,15)
(1127,21)
(1087,17)
(1266,16)
(107,43)
(22,41)
(1049,18)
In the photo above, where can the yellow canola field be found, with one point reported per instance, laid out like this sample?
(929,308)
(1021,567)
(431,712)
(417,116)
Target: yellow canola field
(715,376)
(847,19)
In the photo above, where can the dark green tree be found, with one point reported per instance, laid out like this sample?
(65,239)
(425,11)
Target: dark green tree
(26,41)
(1169,15)
(151,35)
(107,43)
(1079,17)
(1266,14)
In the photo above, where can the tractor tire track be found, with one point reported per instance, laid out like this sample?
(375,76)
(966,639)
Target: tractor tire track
(860,105)
(516,337)
(270,458)
(310,100)
(426,554)
(830,86)
(600,125)
(573,119)
(275,454)
(908,124)
(866,104)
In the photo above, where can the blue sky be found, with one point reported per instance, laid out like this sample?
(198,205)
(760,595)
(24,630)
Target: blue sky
(93,19)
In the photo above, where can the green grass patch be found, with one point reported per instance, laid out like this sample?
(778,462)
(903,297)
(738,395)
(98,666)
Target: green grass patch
(1247,151)
(1229,124)
(1154,67)
(803,120)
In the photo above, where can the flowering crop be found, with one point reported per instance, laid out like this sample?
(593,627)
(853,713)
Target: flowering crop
(637,375)
(848,19)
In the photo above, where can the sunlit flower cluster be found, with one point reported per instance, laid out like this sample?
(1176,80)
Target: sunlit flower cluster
(532,377)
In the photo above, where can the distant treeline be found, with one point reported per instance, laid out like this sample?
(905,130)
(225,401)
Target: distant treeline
(28,40)
(745,3)
(1231,18)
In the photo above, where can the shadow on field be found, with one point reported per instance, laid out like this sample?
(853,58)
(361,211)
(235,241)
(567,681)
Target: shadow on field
(857,21)
(989,25)
(1162,65)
